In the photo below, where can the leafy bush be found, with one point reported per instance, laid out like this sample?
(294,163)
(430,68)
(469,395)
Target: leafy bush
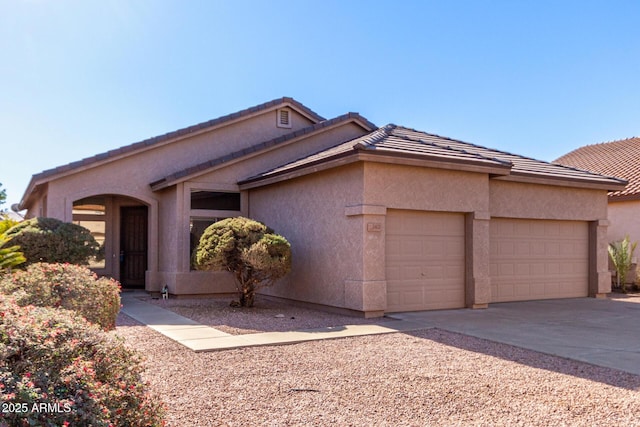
(51,240)
(621,254)
(250,250)
(56,369)
(67,286)
(10,256)
(6,224)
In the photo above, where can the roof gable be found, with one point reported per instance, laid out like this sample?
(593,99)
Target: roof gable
(168,138)
(400,141)
(616,158)
(206,166)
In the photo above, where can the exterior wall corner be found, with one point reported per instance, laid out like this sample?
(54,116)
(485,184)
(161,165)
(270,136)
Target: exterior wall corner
(478,281)
(599,275)
(366,296)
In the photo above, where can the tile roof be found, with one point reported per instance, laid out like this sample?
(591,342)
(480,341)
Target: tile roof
(616,158)
(178,133)
(402,141)
(204,166)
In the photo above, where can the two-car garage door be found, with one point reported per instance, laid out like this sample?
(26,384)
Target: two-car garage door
(529,260)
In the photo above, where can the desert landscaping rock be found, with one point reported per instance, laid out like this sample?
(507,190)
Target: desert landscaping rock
(422,378)
(266,316)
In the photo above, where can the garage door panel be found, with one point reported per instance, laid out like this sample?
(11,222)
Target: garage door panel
(424,260)
(551,261)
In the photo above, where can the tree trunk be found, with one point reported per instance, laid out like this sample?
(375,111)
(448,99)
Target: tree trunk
(247,296)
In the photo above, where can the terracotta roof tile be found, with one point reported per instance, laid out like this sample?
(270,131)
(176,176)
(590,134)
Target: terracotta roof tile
(616,158)
(398,140)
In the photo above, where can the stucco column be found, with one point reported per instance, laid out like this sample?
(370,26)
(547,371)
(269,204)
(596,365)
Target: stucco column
(366,291)
(599,276)
(478,281)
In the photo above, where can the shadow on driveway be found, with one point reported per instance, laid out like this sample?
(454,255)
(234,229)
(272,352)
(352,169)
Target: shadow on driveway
(600,332)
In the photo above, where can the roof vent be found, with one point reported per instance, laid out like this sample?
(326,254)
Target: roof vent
(283,119)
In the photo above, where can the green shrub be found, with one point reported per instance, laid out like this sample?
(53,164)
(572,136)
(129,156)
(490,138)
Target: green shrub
(51,240)
(621,254)
(250,250)
(56,369)
(10,256)
(67,286)
(7,223)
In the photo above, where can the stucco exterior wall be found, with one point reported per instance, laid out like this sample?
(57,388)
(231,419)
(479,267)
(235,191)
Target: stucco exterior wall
(326,244)
(225,178)
(534,201)
(411,187)
(391,186)
(624,220)
(237,171)
(130,177)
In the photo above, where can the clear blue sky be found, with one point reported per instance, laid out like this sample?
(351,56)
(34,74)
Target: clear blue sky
(537,78)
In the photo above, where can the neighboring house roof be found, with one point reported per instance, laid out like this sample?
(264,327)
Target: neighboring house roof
(616,158)
(165,138)
(401,142)
(209,164)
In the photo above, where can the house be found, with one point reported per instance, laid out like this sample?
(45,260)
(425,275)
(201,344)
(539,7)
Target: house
(621,159)
(380,219)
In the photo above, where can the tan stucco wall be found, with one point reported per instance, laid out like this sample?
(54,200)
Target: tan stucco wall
(286,152)
(411,187)
(326,244)
(225,178)
(355,279)
(335,221)
(130,176)
(523,200)
(624,219)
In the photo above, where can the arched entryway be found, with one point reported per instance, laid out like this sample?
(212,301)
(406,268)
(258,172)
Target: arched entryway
(121,225)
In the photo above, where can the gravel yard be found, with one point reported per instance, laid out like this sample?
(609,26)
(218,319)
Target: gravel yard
(430,377)
(216,313)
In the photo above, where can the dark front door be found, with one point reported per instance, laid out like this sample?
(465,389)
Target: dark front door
(133,246)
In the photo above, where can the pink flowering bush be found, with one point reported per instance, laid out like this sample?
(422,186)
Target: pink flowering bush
(56,369)
(66,286)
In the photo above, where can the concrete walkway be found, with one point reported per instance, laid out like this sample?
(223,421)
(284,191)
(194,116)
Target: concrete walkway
(200,338)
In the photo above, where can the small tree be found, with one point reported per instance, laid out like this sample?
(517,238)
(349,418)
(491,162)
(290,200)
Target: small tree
(250,250)
(51,240)
(621,254)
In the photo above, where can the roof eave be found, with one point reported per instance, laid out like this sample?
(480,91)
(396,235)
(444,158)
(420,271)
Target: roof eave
(436,162)
(360,153)
(624,197)
(168,138)
(533,178)
(309,168)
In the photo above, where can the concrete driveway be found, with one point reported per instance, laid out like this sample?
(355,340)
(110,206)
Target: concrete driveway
(602,332)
